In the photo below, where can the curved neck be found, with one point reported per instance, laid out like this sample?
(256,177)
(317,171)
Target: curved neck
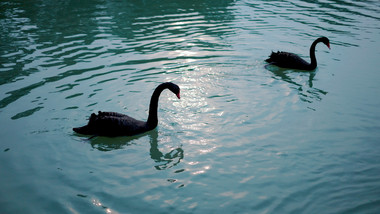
(313,63)
(152,118)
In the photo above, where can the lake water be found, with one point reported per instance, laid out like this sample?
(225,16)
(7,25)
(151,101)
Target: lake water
(243,138)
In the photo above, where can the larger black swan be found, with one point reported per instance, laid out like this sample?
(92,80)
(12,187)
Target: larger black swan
(291,60)
(113,124)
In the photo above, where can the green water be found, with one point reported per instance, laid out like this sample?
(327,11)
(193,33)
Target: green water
(242,138)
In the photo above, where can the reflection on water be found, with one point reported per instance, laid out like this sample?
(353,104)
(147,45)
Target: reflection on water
(164,161)
(88,40)
(300,81)
(240,139)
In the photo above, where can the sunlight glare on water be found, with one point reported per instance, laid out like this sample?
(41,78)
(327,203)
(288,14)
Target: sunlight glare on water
(243,138)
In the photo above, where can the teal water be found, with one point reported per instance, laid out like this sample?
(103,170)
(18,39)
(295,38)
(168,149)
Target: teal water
(242,138)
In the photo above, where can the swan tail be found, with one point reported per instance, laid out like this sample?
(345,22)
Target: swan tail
(272,57)
(85,130)
(269,60)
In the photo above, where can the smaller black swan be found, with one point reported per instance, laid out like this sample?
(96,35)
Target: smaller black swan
(113,124)
(291,60)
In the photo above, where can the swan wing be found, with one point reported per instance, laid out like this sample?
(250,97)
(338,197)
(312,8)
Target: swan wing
(286,60)
(117,126)
(113,114)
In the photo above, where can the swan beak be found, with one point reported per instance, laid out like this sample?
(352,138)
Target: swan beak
(179,96)
(328,45)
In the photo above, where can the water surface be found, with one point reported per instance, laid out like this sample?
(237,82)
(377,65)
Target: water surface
(242,138)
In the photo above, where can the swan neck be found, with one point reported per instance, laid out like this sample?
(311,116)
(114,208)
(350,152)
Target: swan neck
(313,63)
(152,118)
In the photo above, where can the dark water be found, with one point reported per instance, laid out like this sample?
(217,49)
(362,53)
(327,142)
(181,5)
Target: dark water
(242,138)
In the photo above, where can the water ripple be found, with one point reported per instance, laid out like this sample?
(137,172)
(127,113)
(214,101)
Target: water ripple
(257,140)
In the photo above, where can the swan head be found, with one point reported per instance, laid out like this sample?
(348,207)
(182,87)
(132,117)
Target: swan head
(325,41)
(175,89)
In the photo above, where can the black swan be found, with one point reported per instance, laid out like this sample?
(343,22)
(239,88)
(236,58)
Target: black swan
(113,124)
(291,60)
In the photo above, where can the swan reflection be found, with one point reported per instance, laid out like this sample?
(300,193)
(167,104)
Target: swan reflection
(162,160)
(301,81)
(165,161)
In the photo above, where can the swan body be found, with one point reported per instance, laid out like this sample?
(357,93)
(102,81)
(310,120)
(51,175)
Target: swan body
(116,124)
(293,61)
